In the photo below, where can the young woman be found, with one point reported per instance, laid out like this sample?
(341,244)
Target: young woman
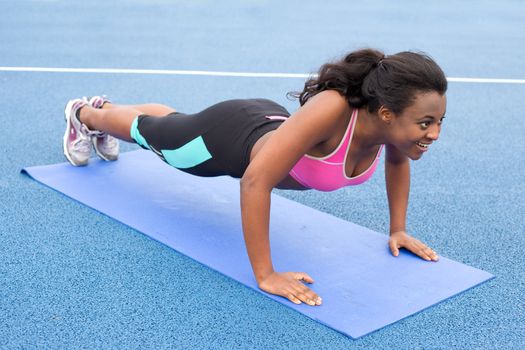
(348,113)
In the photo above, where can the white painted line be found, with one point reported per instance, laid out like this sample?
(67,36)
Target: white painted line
(486,80)
(222,74)
(152,71)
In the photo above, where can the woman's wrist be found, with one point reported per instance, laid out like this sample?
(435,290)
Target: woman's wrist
(262,274)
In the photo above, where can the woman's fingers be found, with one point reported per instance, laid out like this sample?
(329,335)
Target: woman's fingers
(290,296)
(305,294)
(308,298)
(415,246)
(302,276)
(424,252)
(432,255)
(297,292)
(289,285)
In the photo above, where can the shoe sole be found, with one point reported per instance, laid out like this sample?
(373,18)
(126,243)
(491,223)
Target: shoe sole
(67,116)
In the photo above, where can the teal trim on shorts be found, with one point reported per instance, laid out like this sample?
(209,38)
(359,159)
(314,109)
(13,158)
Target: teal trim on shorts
(191,154)
(135,134)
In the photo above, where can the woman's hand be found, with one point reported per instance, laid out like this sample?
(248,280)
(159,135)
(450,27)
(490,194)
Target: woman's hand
(289,285)
(401,239)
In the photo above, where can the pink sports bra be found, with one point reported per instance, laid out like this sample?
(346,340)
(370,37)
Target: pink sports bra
(328,173)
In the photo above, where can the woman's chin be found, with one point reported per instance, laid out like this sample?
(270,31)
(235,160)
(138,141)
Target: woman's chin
(414,155)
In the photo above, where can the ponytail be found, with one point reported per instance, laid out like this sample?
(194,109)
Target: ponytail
(369,78)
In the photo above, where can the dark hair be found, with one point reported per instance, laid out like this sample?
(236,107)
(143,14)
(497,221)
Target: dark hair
(369,78)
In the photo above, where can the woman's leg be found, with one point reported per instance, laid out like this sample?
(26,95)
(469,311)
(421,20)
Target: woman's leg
(116,120)
(152,109)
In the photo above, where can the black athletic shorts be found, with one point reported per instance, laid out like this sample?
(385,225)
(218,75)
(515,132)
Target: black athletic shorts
(214,142)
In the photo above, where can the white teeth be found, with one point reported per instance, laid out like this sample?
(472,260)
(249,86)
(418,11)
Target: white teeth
(422,144)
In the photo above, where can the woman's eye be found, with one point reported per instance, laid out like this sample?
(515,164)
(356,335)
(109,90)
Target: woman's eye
(424,125)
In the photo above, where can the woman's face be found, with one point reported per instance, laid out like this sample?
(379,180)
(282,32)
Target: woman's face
(419,125)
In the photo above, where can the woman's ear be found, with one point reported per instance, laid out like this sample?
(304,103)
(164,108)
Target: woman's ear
(385,114)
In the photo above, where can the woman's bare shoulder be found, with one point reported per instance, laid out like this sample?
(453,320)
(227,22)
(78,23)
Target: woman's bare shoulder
(323,109)
(329,98)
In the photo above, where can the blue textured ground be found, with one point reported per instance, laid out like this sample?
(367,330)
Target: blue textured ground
(72,278)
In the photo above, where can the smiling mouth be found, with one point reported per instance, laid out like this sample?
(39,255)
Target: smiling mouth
(424,146)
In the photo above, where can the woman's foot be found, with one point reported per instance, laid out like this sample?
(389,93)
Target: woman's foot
(77,137)
(105,145)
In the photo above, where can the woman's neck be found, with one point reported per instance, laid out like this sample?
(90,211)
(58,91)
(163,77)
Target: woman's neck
(370,130)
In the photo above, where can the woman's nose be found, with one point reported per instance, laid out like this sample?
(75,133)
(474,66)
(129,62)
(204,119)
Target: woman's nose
(433,133)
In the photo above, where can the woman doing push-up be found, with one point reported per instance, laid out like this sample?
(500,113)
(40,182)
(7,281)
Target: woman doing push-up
(349,112)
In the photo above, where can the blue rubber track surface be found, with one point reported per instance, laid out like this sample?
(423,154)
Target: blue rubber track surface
(72,278)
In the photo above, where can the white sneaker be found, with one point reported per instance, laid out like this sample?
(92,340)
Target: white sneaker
(97,101)
(77,137)
(105,145)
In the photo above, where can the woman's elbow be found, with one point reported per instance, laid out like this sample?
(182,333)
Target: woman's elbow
(252,180)
(248,181)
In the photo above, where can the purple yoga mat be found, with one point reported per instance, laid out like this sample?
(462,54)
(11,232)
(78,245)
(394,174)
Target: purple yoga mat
(363,287)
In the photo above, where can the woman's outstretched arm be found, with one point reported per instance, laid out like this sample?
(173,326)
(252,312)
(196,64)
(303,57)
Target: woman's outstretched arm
(310,125)
(397,173)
